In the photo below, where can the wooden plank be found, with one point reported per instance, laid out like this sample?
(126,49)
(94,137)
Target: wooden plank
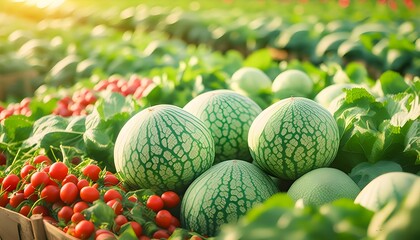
(53,233)
(15,226)
(38,227)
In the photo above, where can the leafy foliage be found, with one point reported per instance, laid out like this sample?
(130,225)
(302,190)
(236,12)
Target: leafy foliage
(278,216)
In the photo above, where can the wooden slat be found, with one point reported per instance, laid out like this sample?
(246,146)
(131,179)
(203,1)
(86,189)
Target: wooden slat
(53,233)
(38,227)
(15,226)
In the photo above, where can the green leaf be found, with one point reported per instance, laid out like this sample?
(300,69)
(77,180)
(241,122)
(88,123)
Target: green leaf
(42,108)
(365,172)
(408,109)
(398,220)
(77,124)
(100,214)
(260,59)
(17,128)
(43,126)
(112,104)
(127,232)
(65,138)
(141,214)
(412,141)
(357,73)
(103,125)
(392,83)
(350,220)
(99,147)
(280,201)
(142,194)
(359,117)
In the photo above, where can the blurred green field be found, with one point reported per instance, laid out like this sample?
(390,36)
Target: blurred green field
(355,10)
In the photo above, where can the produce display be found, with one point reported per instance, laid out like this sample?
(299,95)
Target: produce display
(221,119)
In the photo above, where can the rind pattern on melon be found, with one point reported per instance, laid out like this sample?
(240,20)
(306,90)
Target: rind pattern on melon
(224,193)
(229,116)
(292,137)
(171,148)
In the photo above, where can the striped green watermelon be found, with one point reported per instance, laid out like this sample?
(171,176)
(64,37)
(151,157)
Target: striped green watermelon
(162,148)
(228,115)
(222,194)
(292,137)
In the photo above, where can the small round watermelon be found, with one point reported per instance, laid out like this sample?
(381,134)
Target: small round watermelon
(229,116)
(292,137)
(292,83)
(162,148)
(250,81)
(323,185)
(222,194)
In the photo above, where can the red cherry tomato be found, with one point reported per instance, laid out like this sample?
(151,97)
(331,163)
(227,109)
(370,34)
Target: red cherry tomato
(58,171)
(69,193)
(51,193)
(116,205)
(111,180)
(120,220)
(155,203)
(26,170)
(16,199)
(170,199)
(163,218)
(42,159)
(82,183)
(24,210)
(80,206)
(104,234)
(89,194)
(77,217)
(132,198)
(65,214)
(92,172)
(137,228)
(10,182)
(39,179)
(112,194)
(29,191)
(161,233)
(39,209)
(84,229)
(70,178)
(4,200)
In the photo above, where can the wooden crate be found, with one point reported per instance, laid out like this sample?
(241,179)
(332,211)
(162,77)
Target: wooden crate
(15,226)
(53,233)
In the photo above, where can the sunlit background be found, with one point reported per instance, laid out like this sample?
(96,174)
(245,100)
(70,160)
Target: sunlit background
(42,3)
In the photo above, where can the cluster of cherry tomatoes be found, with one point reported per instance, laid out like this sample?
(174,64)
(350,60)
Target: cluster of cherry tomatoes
(75,105)
(135,85)
(21,108)
(79,103)
(64,195)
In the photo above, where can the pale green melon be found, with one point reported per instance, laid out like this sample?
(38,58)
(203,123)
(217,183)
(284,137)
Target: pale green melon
(162,148)
(223,194)
(249,81)
(292,137)
(292,83)
(323,185)
(229,116)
